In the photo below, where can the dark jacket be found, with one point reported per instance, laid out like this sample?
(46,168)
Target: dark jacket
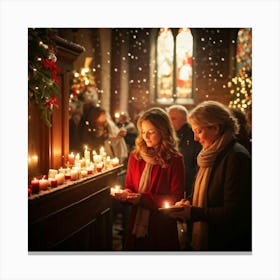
(229,201)
(189,149)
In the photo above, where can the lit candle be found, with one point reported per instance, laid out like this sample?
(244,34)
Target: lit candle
(52,173)
(71,158)
(61,170)
(87,162)
(84,173)
(115,162)
(115,190)
(86,153)
(97,158)
(74,174)
(53,182)
(43,184)
(35,185)
(60,178)
(82,162)
(67,174)
(90,169)
(77,158)
(166,204)
(101,151)
(99,166)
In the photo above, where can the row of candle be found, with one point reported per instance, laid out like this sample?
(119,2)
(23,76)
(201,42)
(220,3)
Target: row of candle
(77,171)
(102,156)
(58,177)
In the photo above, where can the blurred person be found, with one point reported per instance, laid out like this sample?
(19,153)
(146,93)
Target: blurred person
(243,135)
(131,131)
(98,130)
(155,174)
(187,146)
(220,208)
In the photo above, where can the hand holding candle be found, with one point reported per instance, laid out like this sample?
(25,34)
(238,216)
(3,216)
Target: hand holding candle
(115,190)
(166,204)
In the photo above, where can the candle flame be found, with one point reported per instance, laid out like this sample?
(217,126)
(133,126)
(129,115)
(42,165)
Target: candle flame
(166,204)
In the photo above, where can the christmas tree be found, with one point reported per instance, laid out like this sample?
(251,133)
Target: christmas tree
(241,85)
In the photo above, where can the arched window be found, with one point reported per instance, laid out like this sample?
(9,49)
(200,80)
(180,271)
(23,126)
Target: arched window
(174,52)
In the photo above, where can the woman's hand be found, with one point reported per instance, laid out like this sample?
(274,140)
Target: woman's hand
(127,196)
(183,214)
(134,198)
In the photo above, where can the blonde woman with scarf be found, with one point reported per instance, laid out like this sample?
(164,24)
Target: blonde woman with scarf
(155,175)
(220,208)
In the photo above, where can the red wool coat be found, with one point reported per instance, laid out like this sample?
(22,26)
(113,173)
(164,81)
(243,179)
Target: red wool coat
(167,184)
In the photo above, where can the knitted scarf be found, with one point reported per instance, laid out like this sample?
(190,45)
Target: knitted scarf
(205,161)
(141,223)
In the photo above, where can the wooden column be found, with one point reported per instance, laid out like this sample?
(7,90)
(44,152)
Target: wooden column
(49,147)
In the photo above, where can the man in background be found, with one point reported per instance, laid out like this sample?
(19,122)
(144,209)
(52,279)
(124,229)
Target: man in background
(188,147)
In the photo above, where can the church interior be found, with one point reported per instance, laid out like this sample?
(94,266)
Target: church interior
(125,71)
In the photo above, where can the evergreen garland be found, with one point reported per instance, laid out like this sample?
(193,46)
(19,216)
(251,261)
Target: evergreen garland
(43,82)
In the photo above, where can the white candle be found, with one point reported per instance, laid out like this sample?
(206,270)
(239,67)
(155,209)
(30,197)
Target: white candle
(74,174)
(43,184)
(115,162)
(86,153)
(101,150)
(61,170)
(83,173)
(60,178)
(87,162)
(52,173)
(97,158)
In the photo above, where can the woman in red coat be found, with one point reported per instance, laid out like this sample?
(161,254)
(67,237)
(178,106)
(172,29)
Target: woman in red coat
(155,175)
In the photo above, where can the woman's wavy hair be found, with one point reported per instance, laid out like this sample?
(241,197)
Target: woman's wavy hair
(209,113)
(168,146)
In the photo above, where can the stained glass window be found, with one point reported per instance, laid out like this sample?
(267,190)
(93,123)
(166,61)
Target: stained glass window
(184,53)
(174,52)
(165,58)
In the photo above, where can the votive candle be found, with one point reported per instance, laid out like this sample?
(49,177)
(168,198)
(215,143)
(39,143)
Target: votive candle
(43,184)
(35,185)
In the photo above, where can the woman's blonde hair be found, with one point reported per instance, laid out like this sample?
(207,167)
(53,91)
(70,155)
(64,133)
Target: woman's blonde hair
(168,144)
(209,113)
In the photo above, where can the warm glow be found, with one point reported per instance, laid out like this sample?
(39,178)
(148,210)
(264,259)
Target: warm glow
(166,204)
